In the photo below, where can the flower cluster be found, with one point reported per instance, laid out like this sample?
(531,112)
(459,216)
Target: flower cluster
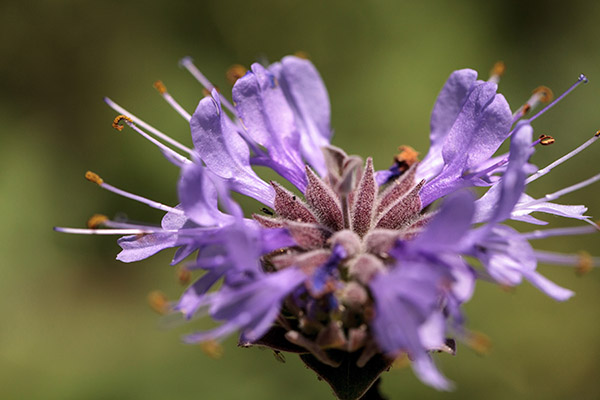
(347,266)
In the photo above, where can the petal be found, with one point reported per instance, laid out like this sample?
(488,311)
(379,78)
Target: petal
(447,107)
(307,96)
(547,286)
(480,128)
(136,248)
(256,299)
(512,184)
(224,151)
(269,120)
(449,226)
(562,210)
(427,372)
(195,296)
(432,332)
(500,202)
(198,196)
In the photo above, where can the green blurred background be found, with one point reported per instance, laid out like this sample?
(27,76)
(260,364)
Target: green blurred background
(75,323)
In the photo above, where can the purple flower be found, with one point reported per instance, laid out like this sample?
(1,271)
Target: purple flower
(355,268)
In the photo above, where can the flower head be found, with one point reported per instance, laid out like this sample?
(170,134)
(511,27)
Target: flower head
(347,266)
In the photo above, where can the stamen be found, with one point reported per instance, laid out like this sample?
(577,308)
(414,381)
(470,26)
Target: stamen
(81,231)
(479,342)
(302,54)
(561,160)
(162,89)
(545,93)
(159,302)
(167,151)
(582,79)
(92,177)
(584,264)
(118,119)
(581,261)
(96,220)
(147,127)
(235,72)
(556,195)
(212,349)
(103,220)
(184,275)
(545,233)
(541,94)
(406,158)
(188,64)
(546,140)
(497,72)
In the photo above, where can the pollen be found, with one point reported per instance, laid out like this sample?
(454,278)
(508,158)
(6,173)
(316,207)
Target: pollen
(479,342)
(406,157)
(235,72)
(585,263)
(597,133)
(302,54)
(158,301)
(212,349)
(545,92)
(96,220)
(546,140)
(158,85)
(118,120)
(93,177)
(184,275)
(498,69)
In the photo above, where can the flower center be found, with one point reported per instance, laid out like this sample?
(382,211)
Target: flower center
(344,230)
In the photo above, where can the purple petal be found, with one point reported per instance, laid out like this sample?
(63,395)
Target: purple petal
(562,210)
(448,228)
(224,151)
(404,299)
(198,197)
(136,248)
(548,287)
(307,96)
(274,239)
(512,184)
(427,372)
(251,308)
(433,332)
(498,203)
(195,296)
(269,120)
(447,108)
(480,128)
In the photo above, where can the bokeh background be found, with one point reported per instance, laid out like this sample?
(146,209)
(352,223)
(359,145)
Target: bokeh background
(74,323)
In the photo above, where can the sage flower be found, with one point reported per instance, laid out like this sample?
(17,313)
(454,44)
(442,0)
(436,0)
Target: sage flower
(346,266)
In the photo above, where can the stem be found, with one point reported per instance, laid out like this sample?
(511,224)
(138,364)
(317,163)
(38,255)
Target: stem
(373,393)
